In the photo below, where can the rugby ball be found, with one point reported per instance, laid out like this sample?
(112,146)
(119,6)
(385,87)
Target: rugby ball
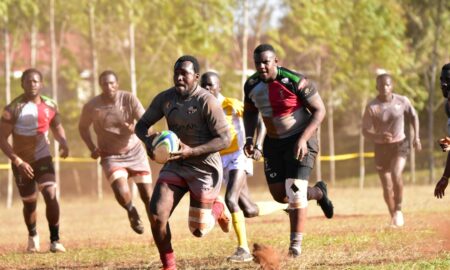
(164,144)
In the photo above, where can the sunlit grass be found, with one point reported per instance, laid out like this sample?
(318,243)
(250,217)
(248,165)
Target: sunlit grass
(97,236)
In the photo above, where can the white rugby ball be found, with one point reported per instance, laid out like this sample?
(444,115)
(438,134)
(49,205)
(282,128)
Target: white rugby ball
(164,144)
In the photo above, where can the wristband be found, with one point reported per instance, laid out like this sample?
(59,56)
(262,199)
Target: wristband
(258,147)
(17,161)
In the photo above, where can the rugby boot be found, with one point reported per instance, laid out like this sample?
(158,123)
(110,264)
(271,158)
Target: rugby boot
(398,219)
(33,244)
(56,246)
(135,221)
(294,252)
(240,255)
(325,203)
(223,217)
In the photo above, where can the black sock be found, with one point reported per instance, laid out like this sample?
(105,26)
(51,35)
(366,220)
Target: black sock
(31,229)
(54,232)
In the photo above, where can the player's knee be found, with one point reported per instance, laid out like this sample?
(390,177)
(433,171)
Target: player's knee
(30,206)
(231,202)
(250,212)
(297,193)
(48,190)
(201,221)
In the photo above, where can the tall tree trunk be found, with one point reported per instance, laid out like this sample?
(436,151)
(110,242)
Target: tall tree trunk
(7,50)
(244,46)
(94,84)
(132,50)
(362,165)
(33,42)
(330,122)
(54,67)
(131,29)
(432,74)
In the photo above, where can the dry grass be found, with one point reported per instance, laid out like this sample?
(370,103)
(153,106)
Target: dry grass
(97,235)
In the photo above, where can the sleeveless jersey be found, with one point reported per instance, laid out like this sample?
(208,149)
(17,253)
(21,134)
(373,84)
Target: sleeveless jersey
(281,102)
(31,123)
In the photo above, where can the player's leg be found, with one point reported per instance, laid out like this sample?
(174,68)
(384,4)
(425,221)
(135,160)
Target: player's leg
(236,180)
(28,193)
(382,163)
(165,198)
(144,185)
(118,180)
(206,206)
(397,166)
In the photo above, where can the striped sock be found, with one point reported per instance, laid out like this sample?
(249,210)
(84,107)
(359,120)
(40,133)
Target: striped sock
(296,240)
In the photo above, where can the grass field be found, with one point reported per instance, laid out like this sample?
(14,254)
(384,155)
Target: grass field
(97,236)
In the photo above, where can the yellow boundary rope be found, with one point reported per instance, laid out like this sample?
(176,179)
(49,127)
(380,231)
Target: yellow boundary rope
(6,166)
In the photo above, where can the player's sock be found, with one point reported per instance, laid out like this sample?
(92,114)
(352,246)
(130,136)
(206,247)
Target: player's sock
(314,193)
(32,229)
(168,259)
(54,232)
(129,206)
(239,227)
(296,240)
(268,207)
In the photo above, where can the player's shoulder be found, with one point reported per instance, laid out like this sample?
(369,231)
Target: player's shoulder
(232,102)
(286,76)
(16,102)
(49,101)
(402,98)
(252,81)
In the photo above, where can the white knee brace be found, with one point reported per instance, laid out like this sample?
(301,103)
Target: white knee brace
(201,221)
(297,192)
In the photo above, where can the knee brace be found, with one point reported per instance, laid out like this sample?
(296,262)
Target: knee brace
(201,221)
(297,193)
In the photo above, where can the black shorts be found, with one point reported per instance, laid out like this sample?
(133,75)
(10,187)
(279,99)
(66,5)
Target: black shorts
(281,163)
(42,168)
(385,153)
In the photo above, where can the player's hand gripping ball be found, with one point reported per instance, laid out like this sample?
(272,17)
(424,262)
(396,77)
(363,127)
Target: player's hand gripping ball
(164,144)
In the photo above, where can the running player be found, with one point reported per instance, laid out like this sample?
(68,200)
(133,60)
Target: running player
(236,168)
(197,118)
(28,118)
(439,190)
(113,114)
(383,123)
(292,110)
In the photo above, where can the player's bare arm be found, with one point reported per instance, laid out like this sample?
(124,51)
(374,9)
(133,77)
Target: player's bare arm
(317,108)
(25,169)
(83,128)
(220,142)
(260,134)
(415,124)
(60,136)
(250,123)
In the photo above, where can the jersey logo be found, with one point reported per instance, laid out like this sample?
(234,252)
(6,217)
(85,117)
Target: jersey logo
(6,115)
(302,83)
(252,81)
(285,81)
(192,110)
